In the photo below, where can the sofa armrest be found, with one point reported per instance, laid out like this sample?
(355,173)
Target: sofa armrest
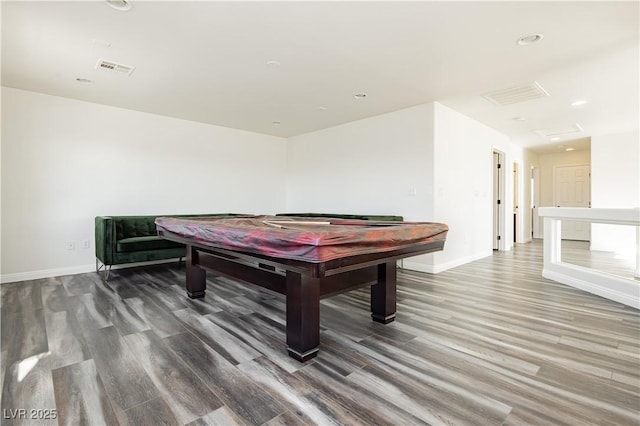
(105,239)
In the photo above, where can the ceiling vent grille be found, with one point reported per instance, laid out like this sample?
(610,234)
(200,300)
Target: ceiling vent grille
(516,94)
(560,131)
(114,67)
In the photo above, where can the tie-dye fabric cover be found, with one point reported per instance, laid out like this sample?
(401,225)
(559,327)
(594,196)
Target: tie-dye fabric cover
(299,238)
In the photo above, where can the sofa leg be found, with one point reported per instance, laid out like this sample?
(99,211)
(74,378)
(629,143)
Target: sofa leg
(180,261)
(107,269)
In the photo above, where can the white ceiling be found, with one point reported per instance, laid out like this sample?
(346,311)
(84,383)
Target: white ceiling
(210,61)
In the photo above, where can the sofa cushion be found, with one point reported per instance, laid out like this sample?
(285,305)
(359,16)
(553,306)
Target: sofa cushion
(150,242)
(132,226)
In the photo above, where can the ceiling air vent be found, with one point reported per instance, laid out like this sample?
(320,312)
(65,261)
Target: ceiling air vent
(512,95)
(560,131)
(114,67)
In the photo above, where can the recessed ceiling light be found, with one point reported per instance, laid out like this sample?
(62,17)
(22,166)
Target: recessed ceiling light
(519,119)
(321,108)
(529,39)
(273,64)
(121,5)
(360,96)
(570,149)
(555,139)
(275,123)
(83,80)
(579,102)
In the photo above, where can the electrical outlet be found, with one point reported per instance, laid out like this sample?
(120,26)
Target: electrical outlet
(86,244)
(71,245)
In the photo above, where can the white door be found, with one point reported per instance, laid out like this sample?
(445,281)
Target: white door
(573,189)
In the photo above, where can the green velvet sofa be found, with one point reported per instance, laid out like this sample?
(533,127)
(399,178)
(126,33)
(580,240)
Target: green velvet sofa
(129,239)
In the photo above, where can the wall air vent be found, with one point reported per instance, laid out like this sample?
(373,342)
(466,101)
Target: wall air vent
(512,95)
(560,131)
(114,67)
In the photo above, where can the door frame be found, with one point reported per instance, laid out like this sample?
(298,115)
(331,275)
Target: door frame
(499,233)
(516,204)
(536,228)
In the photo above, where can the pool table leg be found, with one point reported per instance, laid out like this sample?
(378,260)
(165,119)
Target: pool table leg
(196,276)
(383,294)
(303,316)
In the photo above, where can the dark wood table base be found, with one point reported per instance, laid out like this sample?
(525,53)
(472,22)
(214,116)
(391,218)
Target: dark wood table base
(303,284)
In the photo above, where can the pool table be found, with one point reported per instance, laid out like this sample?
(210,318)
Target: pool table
(304,259)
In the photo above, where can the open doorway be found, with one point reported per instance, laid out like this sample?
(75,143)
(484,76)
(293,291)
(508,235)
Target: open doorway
(498,197)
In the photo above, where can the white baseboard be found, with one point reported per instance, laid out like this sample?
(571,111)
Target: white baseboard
(618,289)
(434,269)
(71,270)
(46,273)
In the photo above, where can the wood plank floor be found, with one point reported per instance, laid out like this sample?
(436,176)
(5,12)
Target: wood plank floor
(487,343)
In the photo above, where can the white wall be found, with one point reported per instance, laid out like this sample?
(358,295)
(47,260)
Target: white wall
(463,180)
(372,165)
(65,162)
(366,166)
(615,171)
